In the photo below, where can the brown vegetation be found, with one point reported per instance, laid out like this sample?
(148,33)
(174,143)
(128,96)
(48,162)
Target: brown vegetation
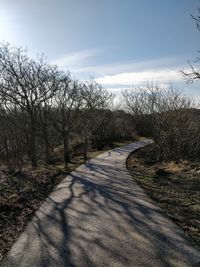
(174,186)
(169,118)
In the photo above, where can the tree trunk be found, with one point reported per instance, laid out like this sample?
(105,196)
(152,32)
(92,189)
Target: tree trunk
(46,144)
(98,142)
(66,148)
(33,143)
(92,141)
(7,153)
(47,154)
(85,146)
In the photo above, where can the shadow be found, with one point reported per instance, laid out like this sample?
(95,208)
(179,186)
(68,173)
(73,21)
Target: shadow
(99,217)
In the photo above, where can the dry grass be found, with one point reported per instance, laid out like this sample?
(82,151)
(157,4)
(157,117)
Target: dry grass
(174,186)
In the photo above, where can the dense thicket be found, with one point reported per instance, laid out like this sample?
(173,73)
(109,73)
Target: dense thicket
(169,118)
(43,108)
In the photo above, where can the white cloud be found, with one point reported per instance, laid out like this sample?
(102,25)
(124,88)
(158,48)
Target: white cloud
(73,61)
(122,75)
(131,66)
(131,78)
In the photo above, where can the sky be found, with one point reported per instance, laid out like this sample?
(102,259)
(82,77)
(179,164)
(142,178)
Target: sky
(121,43)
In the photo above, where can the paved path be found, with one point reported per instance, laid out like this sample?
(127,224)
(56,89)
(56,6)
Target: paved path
(99,217)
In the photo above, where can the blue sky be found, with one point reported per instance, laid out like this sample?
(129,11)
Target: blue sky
(119,42)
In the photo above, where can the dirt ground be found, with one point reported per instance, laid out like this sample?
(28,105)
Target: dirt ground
(174,186)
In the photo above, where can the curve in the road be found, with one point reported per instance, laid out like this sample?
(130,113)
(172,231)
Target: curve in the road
(99,217)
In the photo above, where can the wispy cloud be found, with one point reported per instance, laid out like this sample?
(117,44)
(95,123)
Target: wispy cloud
(130,66)
(127,74)
(75,60)
(132,78)
(122,75)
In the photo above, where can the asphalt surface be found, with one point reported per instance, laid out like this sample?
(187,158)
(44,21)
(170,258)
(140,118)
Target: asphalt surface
(99,217)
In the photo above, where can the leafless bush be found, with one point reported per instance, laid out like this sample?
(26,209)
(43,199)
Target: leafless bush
(95,113)
(165,115)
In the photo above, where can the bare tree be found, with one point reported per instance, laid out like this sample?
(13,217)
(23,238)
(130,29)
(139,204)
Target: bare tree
(42,108)
(97,103)
(67,105)
(12,136)
(26,83)
(44,125)
(194,73)
(165,115)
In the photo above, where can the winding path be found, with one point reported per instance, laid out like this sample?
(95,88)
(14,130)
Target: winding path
(99,217)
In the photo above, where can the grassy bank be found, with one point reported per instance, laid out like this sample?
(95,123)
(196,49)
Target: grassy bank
(174,186)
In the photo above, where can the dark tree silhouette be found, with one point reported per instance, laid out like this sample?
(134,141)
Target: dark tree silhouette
(194,73)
